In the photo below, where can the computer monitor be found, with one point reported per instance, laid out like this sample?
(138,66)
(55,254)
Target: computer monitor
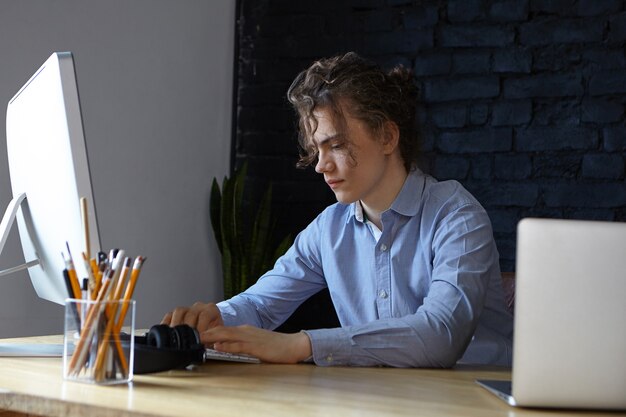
(49,174)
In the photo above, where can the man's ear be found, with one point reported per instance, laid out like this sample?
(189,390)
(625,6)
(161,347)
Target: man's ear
(391,137)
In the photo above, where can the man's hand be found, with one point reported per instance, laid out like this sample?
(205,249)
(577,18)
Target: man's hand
(200,315)
(264,344)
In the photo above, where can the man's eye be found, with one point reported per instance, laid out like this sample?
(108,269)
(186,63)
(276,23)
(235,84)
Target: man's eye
(337,146)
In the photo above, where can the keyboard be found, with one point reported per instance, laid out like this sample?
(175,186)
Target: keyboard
(211,354)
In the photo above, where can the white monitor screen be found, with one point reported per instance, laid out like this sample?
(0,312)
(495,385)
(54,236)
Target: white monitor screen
(48,162)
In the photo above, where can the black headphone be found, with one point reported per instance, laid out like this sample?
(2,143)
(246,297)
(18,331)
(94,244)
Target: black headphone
(164,348)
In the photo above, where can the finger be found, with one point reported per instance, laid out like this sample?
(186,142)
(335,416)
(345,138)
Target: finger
(231,339)
(178,316)
(216,334)
(233,347)
(208,318)
(191,318)
(192,314)
(167,319)
(204,321)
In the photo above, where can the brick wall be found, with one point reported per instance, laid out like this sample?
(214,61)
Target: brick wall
(522,100)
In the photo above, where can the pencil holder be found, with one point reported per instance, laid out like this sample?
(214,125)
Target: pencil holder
(98,343)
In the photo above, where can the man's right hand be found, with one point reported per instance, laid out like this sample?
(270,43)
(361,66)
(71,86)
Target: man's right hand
(200,316)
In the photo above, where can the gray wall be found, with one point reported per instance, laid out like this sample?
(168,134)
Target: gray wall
(155,82)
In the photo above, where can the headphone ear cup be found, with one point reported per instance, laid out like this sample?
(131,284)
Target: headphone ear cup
(164,348)
(160,336)
(187,337)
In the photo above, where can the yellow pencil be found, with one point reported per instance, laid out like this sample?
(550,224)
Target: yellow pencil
(80,353)
(119,276)
(85,218)
(130,288)
(104,345)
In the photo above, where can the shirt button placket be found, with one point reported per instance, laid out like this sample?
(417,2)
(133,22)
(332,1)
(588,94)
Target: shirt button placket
(383,302)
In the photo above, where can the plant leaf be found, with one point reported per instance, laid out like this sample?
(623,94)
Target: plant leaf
(260,236)
(226,230)
(215,213)
(246,254)
(240,252)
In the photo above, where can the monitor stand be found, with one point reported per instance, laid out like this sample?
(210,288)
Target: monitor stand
(5,227)
(22,349)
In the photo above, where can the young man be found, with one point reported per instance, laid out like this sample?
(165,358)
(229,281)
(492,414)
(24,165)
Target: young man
(410,262)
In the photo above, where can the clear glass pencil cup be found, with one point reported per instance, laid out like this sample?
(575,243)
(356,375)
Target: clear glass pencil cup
(98,344)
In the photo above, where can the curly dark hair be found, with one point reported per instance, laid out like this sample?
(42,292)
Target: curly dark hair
(375,97)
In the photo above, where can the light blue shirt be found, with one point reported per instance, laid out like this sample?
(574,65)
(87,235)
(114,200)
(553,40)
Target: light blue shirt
(426,292)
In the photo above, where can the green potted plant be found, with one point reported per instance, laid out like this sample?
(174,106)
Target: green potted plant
(243,234)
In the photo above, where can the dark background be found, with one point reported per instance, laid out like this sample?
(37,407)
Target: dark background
(522,100)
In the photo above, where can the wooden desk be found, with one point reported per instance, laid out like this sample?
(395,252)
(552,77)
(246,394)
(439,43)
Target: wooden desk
(35,386)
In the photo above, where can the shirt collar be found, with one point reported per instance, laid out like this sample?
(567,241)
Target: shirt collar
(407,201)
(359,214)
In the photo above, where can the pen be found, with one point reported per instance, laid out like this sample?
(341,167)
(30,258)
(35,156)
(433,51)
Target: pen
(68,284)
(70,291)
(85,289)
(69,265)
(112,255)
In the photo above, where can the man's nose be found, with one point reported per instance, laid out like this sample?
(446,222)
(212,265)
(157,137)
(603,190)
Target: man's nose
(323,163)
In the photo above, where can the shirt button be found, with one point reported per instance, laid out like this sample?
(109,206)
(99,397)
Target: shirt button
(382,294)
(329,358)
(383,247)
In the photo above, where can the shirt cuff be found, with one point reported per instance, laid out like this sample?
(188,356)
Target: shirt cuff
(330,346)
(229,314)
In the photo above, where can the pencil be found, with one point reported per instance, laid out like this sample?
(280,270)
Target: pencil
(104,336)
(121,266)
(102,265)
(91,278)
(80,353)
(117,266)
(122,279)
(130,288)
(85,218)
(116,286)
(104,344)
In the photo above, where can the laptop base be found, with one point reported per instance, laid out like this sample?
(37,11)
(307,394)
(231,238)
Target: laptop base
(501,389)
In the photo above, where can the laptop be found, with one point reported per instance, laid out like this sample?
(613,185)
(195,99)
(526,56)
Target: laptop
(569,346)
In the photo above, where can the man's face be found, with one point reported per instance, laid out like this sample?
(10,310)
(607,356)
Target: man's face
(351,157)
